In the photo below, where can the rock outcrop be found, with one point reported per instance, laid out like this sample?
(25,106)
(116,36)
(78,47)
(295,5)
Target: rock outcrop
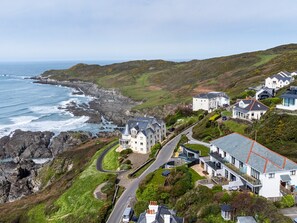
(18,172)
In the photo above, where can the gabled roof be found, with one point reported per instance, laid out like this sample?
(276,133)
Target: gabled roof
(254,154)
(144,124)
(211,95)
(282,76)
(162,210)
(251,105)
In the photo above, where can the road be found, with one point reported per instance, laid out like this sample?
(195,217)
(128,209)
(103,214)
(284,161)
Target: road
(163,156)
(290,212)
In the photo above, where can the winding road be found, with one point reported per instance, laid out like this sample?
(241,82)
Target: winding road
(163,156)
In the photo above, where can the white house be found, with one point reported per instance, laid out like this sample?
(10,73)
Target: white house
(142,133)
(246,164)
(210,101)
(264,93)
(249,109)
(279,80)
(289,99)
(158,213)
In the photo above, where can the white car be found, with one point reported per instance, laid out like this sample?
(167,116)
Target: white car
(127,214)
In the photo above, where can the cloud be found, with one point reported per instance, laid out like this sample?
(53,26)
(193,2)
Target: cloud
(117,29)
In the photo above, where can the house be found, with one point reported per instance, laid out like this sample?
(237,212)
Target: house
(141,133)
(249,109)
(246,219)
(289,99)
(264,93)
(245,164)
(279,80)
(227,212)
(210,101)
(159,214)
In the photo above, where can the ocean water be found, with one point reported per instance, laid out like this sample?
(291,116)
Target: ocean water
(37,107)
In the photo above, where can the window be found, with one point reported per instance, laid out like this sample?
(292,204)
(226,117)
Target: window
(271,175)
(225,154)
(141,137)
(293,172)
(252,114)
(226,174)
(255,174)
(240,164)
(141,143)
(135,142)
(233,160)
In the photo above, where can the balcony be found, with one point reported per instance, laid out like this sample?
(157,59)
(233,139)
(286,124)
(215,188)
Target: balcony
(239,171)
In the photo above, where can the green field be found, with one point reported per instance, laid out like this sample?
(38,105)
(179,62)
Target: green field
(110,161)
(203,149)
(78,202)
(235,126)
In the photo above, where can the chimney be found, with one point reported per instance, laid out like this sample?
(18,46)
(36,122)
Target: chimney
(166,218)
(154,206)
(150,216)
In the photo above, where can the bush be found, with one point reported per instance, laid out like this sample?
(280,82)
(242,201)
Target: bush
(127,162)
(214,117)
(287,201)
(154,149)
(140,207)
(125,152)
(125,167)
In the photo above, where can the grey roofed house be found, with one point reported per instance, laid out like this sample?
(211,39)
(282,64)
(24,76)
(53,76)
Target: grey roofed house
(282,76)
(291,93)
(253,153)
(264,93)
(143,124)
(250,105)
(159,216)
(210,95)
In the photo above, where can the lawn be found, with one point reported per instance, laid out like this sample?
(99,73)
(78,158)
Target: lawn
(78,202)
(235,126)
(110,161)
(203,149)
(195,175)
(226,113)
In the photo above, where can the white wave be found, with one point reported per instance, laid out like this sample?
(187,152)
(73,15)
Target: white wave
(30,123)
(45,109)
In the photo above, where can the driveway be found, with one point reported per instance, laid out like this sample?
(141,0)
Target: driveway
(290,212)
(129,194)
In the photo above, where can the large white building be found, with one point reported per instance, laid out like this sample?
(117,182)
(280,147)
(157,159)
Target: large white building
(246,164)
(279,80)
(249,109)
(141,133)
(210,101)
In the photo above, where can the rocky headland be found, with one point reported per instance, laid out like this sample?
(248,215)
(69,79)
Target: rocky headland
(24,153)
(110,104)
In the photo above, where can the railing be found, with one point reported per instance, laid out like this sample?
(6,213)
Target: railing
(238,171)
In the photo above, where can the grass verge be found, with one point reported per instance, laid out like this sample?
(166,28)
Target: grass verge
(110,161)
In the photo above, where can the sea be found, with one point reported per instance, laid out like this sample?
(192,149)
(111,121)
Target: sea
(29,106)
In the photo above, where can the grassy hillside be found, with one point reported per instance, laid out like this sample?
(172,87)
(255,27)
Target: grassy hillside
(158,82)
(69,198)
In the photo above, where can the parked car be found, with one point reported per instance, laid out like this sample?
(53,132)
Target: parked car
(128,213)
(224,118)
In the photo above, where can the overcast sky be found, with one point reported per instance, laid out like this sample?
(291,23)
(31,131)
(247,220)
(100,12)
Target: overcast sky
(142,29)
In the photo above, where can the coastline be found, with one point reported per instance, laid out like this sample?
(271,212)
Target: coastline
(110,104)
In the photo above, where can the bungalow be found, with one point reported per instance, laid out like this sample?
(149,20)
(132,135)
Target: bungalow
(158,213)
(249,109)
(244,163)
(289,99)
(210,101)
(279,80)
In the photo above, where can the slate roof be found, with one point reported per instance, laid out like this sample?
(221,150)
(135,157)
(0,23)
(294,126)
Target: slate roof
(211,95)
(144,124)
(283,75)
(251,105)
(292,93)
(254,154)
(162,210)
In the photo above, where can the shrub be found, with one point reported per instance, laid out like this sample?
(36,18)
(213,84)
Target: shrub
(125,152)
(125,167)
(140,207)
(214,117)
(127,162)
(154,149)
(287,201)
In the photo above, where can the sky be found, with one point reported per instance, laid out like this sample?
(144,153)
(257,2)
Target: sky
(37,30)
